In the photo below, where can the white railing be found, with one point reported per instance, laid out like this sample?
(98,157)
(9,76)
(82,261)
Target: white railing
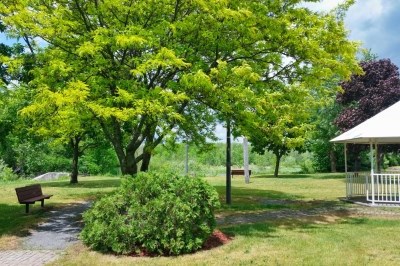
(383,188)
(356,184)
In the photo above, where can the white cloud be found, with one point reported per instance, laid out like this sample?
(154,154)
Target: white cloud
(367,11)
(325,5)
(330,4)
(375,23)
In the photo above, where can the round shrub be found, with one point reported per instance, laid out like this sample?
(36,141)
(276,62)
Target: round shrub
(155,213)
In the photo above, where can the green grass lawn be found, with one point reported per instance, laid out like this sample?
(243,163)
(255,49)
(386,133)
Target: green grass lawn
(329,239)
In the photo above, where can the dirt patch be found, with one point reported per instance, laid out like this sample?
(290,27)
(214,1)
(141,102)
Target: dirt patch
(216,239)
(375,212)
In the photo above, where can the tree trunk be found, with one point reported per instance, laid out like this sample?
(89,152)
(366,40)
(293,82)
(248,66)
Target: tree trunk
(277,164)
(145,162)
(125,155)
(127,160)
(75,159)
(148,148)
(128,165)
(333,161)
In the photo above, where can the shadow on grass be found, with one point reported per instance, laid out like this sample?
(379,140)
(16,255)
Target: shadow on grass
(103,183)
(267,226)
(261,230)
(311,176)
(14,221)
(251,192)
(256,212)
(246,199)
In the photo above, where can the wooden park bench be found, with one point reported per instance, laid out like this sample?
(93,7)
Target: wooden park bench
(238,172)
(30,194)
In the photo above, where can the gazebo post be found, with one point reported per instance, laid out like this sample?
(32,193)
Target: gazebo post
(372,172)
(376,158)
(345,171)
(345,158)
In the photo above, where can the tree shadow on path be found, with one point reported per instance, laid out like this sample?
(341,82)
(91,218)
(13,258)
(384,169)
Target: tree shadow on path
(60,230)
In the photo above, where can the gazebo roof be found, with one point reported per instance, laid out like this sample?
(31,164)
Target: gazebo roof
(383,128)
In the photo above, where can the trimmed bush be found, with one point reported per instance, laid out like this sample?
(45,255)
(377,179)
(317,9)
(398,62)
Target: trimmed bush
(155,213)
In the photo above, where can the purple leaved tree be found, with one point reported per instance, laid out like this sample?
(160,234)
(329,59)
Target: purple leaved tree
(366,95)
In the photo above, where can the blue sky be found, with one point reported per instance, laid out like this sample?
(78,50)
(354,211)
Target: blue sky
(374,23)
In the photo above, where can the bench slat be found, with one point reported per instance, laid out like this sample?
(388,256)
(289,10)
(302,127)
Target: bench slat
(30,194)
(39,198)
(239,172)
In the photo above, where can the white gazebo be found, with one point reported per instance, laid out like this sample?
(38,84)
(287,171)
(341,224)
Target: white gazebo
(383,128)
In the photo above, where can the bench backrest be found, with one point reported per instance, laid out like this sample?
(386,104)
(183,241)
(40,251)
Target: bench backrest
(238,172)
(28,192)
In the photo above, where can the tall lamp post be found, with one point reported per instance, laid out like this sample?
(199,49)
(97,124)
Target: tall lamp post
(246,160)
(228,162)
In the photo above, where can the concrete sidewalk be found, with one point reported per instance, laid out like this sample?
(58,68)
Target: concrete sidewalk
(47,242)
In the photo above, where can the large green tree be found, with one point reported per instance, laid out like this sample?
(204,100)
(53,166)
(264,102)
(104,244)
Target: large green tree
(327,156)
(61,117)
(154,67)
(283,124)
(12,129)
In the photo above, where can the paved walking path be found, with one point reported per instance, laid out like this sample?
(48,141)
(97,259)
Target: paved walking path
(46,242)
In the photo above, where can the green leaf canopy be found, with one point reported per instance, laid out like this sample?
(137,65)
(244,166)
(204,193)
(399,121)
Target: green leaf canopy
(153,68)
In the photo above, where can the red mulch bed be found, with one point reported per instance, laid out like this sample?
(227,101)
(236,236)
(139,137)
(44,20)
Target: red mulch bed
(216,239)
